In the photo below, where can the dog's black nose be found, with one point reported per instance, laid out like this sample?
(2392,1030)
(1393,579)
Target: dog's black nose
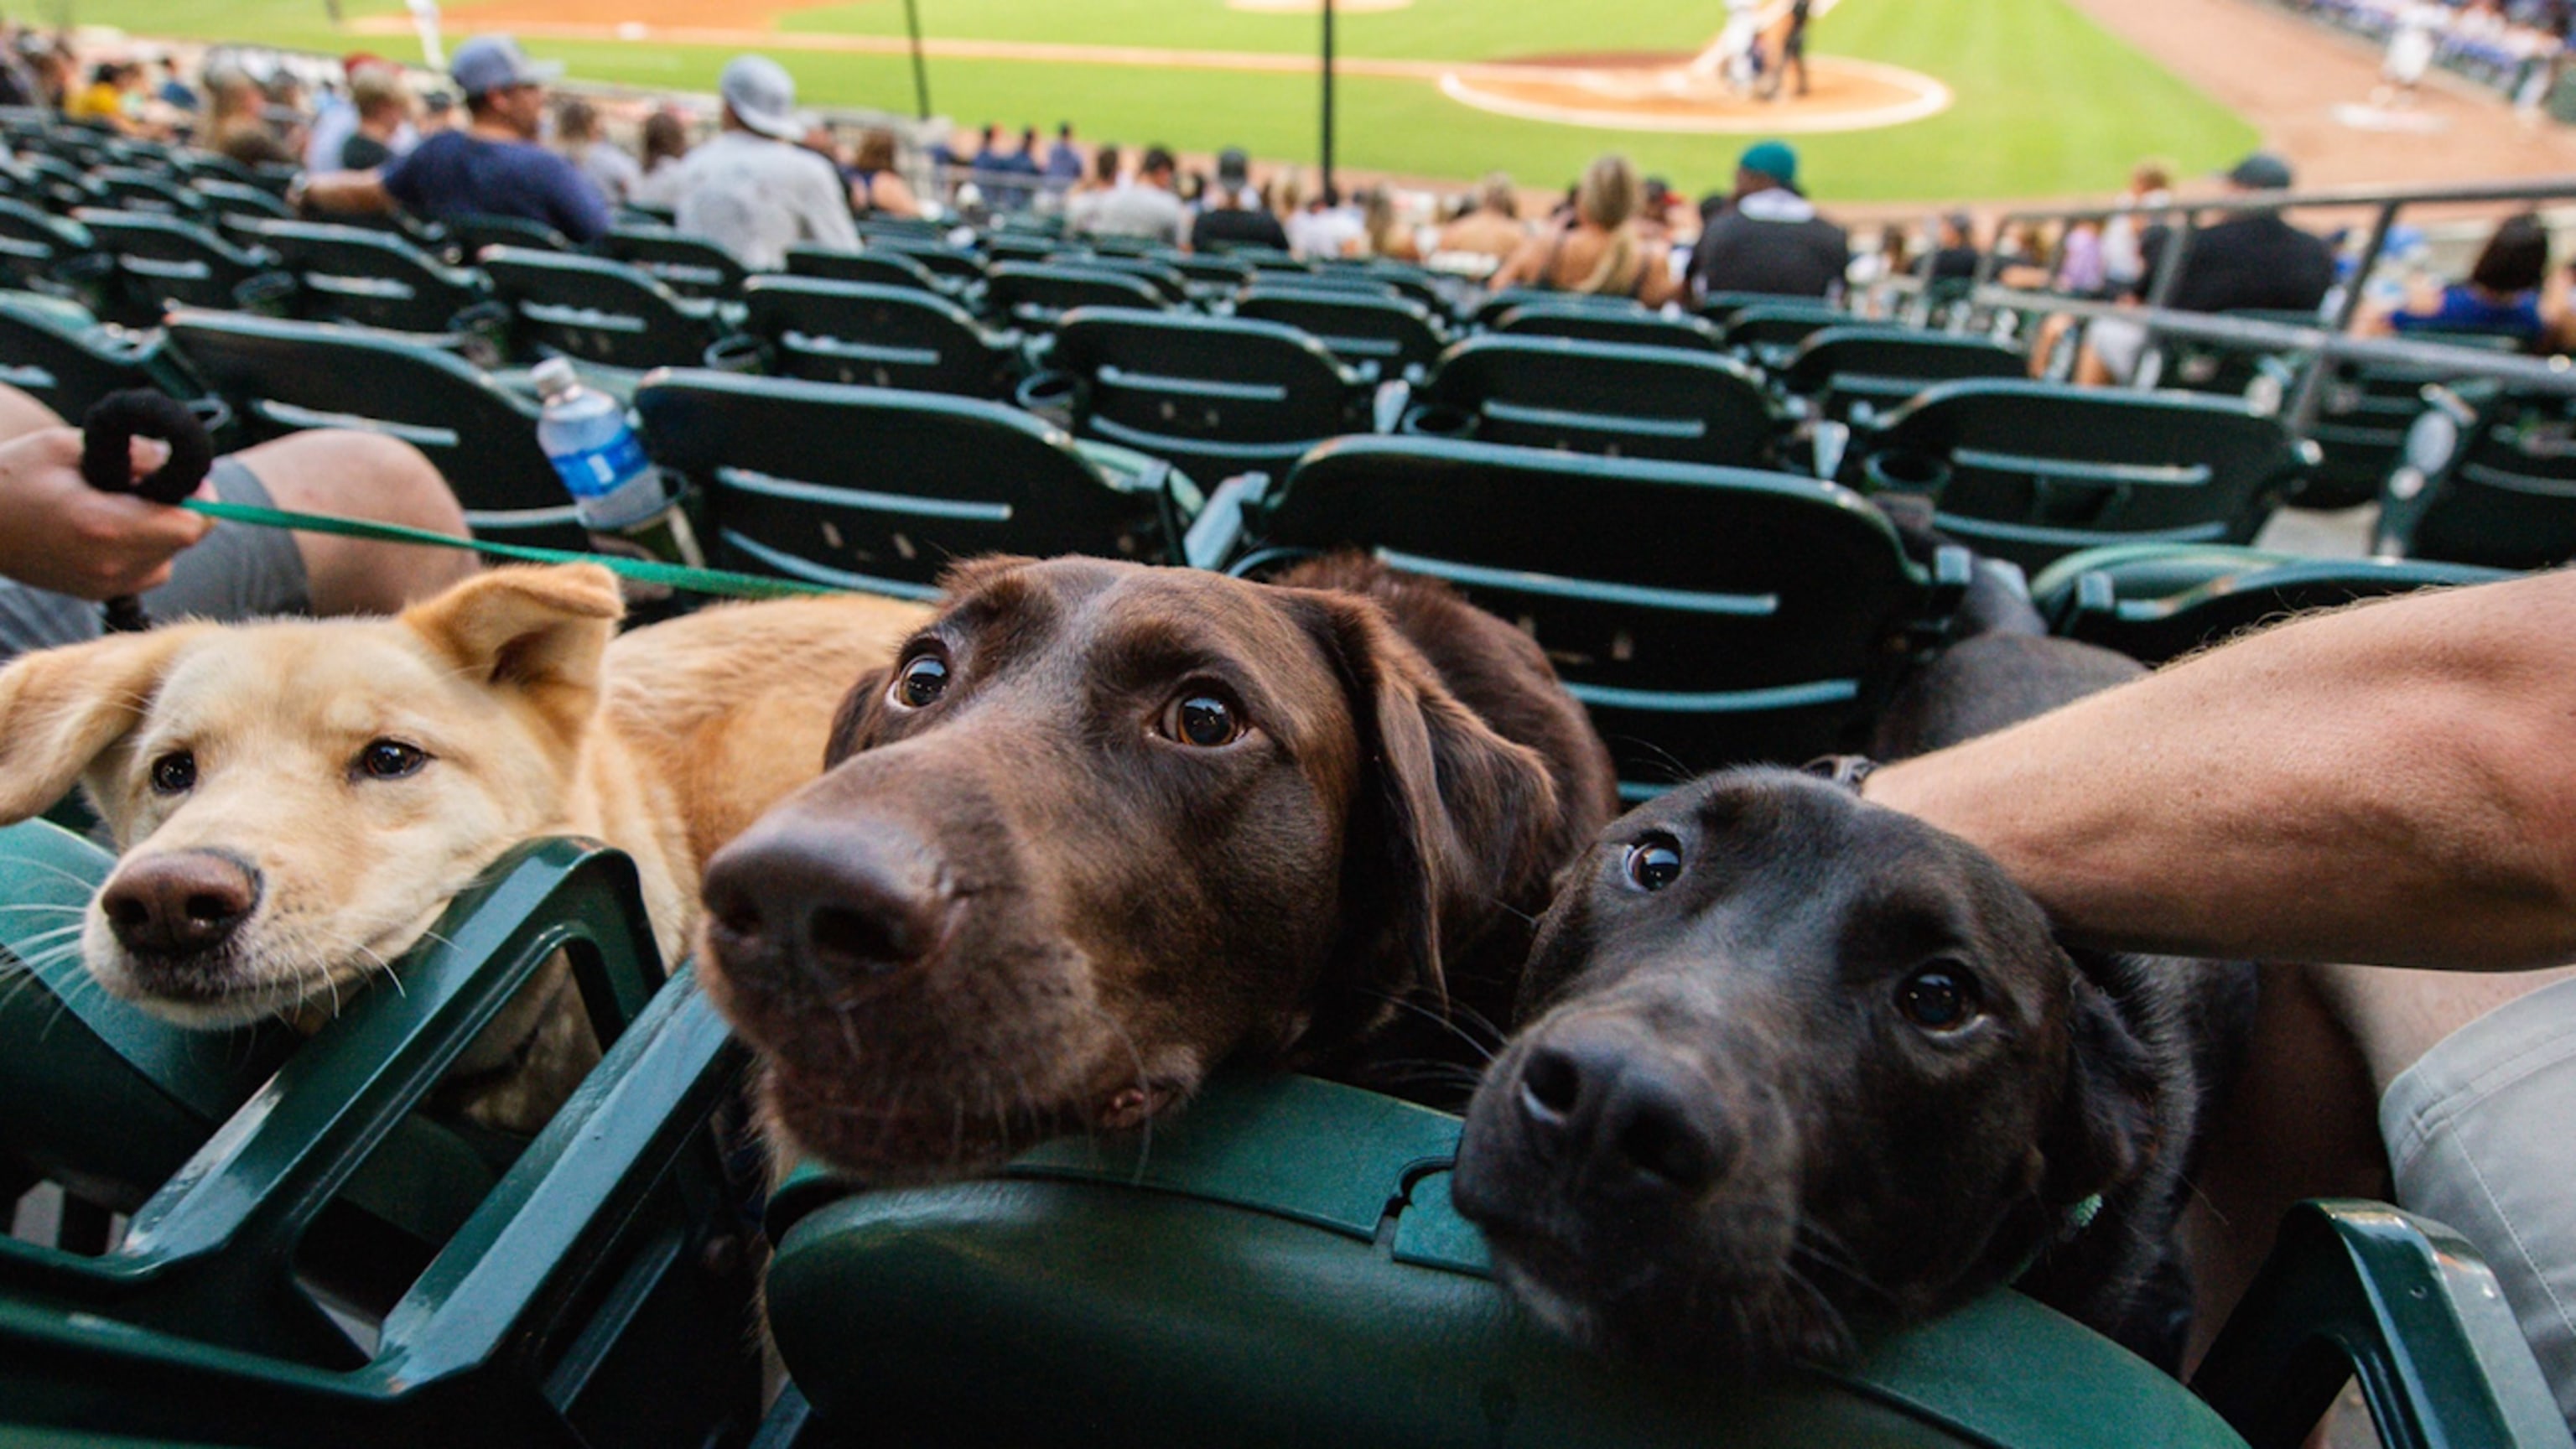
(179,903)
(821,903)
(1598,1099)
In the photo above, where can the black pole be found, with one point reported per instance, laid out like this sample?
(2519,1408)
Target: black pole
(920,72)
(1328,95)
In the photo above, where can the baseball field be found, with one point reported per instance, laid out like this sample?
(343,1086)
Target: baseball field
(1913,99)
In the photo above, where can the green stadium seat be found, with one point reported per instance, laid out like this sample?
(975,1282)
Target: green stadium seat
(230,203)
(1034,295)
(1491,306)
(374,278)
(2031,471)
(2490,483)
(585,1286)
(1395,335)
(1214,396)
(1167,280)
(689,265)
(869,488)
(40,252)
(940,259)
(132,189)
(2157,602)
(63,185)
(1769,332)
(211,166)
(883,267)
(1597,397)
(903,337)
(1281,1265)
(1018,246)
(1210,276)
(473,233)
(1720,307)
(1705,616)
(1596,324)
(601,312)
(282,376)
(163,262)
(59,355)
(2364,410)
(1854,372)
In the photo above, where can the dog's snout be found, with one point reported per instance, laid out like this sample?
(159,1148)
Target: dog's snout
(844,905)
(182,903)
(1605,1104)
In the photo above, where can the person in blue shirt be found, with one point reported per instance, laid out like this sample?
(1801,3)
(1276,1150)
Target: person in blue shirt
(491,167)
(2501,298)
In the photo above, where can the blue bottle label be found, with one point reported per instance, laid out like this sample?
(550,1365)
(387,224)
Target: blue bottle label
(597,472)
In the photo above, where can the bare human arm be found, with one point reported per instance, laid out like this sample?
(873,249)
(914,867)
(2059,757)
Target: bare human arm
(69,538)
(330,191)
(2391,784)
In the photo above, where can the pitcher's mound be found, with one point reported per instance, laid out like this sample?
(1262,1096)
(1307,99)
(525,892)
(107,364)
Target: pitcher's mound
(1658,92)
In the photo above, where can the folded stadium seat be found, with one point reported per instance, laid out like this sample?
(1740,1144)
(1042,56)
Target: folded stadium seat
(231,204)
(377,279)
(211,166)
(2031,471)
(1396,336)
(40,252)
(1491,306)
(1282,1265)
(2157,602)
(1720,307)
(130,188)
(944,261)
(904,337)
(473,233)
(316,1256)
(2363,412)
(163,262)
(277,176)
(689,265)
(880,267)
(282,376)
(1853,372)
(2257,374)
(62,184)
(1705,616)
(1340,284)
(1019,246)
(1597,324)
(1768,332)
(2490,483)
(59,355)
(601,312)
(870,488)
(1131,246)
(1597,397)
(1215,396)
(1162,276)
(900,228)
(1209,276)
(1035,294)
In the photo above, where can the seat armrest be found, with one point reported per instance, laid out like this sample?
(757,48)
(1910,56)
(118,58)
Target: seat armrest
(1224,523)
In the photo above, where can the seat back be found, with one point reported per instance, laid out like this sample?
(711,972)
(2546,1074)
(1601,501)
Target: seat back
(1036,294)
(1490,308)
(903,337)
(2157,602)
(690,266)
(130,188)
(1166,279)
(1598,397)
(2363,412)
(476,231)
(877,267)
(1395,334)
(42,252)
(282,376)
(599,311)
(235,202)
(881,490)
(2508,500)
(166,262)
(1601,324)
(1857,371)
(1771,330)
(935,256)
(1213,395)
(1706,616)
(62,358)
(373,278)
(2031,471)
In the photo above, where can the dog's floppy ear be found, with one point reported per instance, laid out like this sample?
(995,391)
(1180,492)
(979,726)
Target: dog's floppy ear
(60,709)
(2106,1124)
(537,630)
(1446,818)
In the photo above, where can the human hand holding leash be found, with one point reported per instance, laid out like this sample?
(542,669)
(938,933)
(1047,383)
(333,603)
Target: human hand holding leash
(89,513)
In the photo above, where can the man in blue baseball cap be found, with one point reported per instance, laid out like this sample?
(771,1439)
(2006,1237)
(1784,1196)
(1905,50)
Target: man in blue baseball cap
(1769,237)
(491,167)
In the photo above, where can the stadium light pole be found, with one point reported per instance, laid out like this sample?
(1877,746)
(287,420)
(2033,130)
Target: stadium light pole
(1328,94)
(920,72)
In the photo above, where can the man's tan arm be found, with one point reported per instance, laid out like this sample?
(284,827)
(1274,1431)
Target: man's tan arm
(330,191)
(2392,784)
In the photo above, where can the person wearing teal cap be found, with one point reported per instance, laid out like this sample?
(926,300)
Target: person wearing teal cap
(1769,238)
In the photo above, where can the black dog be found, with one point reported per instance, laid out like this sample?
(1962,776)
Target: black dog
(1808,1065)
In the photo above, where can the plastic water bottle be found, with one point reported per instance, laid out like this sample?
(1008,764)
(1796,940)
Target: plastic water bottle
(616,489)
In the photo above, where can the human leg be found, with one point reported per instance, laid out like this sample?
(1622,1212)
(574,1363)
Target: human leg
(21,414)
(350,474)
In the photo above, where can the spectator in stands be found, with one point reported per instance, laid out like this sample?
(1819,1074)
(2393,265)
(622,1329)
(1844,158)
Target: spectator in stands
(1490,232)
(876,187)
(1954,251)
(113,98)
(1599,251)
(753,190)
(239,125)
(437,113)
(174,91)
(1325,228)
(1143,205)
(68,546)
(1063,161)
(1019,171)
(578,132)
(2079,258)
(335,120)
(1383,230)
(493,167)
(1234,215)
(2254,261)
(2501,298)
(1769,239)
(666,145)
(1083,202)
(2123,262)
(384,106)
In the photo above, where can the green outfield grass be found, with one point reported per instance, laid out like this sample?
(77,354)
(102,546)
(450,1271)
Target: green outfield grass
(2047,102)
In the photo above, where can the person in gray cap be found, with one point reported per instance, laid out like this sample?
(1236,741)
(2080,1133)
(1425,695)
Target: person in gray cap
(2255,260)
(754,191)
(490,167)
(1233,214)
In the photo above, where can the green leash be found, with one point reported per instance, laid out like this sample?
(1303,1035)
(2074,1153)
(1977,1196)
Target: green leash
(648,571)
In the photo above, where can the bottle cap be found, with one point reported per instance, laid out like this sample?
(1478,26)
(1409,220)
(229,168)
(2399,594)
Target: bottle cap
(552,376)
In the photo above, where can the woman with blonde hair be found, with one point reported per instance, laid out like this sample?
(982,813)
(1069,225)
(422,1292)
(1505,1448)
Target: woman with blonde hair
(1600,251)
(1383,232)
(876,187)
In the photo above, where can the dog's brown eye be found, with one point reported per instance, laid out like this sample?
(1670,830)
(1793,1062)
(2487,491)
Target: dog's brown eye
(174,773)
(390,760)
(1654,862)
(1205,720)
(1938,998)
(922,681)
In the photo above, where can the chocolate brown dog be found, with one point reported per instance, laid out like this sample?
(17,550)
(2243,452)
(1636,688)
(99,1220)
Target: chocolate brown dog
(1101,827)
(1806,1063)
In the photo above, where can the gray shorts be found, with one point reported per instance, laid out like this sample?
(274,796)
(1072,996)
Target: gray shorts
(2481,1136)
(237,571)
